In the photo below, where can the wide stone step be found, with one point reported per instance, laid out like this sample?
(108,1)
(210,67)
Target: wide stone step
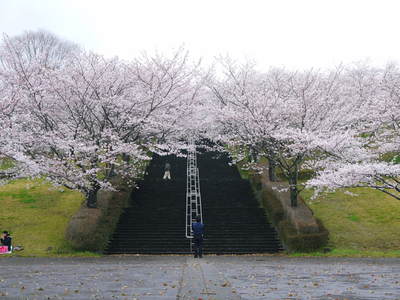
(148,226)
(221,238)
(148,252)
(209,250)
(225,231)
(210,247)
(152,245)
(233,233)
(214,250)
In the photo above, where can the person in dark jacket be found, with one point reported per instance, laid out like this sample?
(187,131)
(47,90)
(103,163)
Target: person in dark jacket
(6,240)
(198,236)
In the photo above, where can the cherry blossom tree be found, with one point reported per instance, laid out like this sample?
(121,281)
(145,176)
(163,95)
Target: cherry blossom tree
(375,97)
(20,57)
(169,89)
(36,47)
(87,118)
(294,118)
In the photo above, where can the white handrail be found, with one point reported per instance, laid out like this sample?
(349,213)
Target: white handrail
(193,196)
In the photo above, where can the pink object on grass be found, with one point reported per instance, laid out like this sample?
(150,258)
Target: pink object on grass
(3,249)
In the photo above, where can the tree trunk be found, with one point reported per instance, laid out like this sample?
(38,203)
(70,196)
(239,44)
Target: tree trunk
(294,192)
(272,170)
(253,154)
(91,197)
(111,171)
(125,157)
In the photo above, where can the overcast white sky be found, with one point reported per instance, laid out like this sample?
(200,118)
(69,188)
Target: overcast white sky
(292,33)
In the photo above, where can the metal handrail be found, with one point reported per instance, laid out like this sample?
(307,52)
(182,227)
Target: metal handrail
(193,196)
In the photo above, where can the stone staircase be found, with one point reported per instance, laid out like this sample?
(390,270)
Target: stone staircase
(155,222)
(235,224)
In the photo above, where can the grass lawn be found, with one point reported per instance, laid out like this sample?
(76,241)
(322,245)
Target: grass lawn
(367,224)
(36,214)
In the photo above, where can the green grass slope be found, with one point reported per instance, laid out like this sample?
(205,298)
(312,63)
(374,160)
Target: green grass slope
(364,224)
(36,214)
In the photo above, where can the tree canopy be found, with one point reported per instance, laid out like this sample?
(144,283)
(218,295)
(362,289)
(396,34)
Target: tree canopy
(78,118)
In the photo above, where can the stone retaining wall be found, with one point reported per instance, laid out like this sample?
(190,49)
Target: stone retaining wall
(298,229)
(91,228)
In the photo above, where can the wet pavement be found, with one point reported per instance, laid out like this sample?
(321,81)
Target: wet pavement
(213,277)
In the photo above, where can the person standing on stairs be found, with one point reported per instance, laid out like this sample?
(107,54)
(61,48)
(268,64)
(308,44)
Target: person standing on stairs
(167,173)
(198,236)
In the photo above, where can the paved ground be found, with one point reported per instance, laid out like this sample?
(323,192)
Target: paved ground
(213,277)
